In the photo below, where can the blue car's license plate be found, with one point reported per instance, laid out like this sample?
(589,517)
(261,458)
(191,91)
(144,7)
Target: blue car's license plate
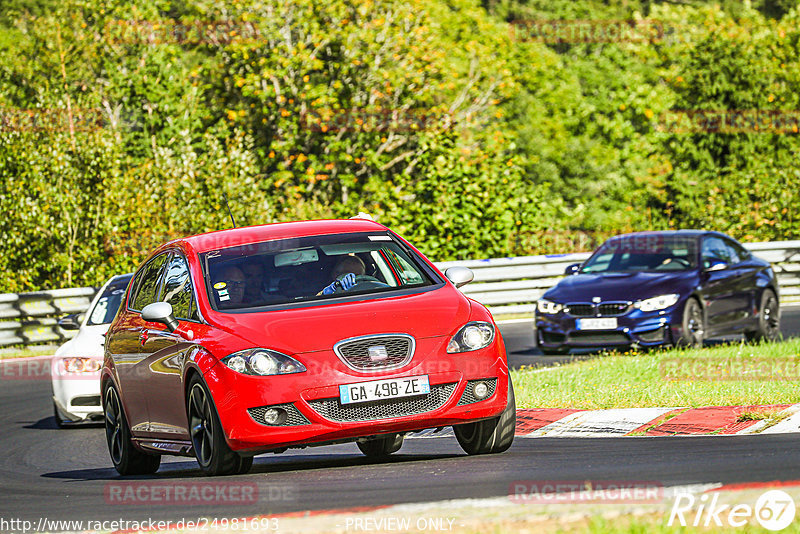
(597,323)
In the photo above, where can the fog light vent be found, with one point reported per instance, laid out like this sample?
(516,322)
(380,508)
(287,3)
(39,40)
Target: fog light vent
(653,335)
(274,416)
(478,390)
(278,415)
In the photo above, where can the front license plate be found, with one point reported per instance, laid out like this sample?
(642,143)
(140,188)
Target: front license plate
(600,323)
(391,388)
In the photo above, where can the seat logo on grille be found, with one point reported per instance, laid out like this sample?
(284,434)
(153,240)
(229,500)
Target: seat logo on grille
(377,353)
(596,300)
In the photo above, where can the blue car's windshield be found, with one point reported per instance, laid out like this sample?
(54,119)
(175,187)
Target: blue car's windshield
(644,252)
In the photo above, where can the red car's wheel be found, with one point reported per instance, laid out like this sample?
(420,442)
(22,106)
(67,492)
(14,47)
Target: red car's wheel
(208,441)
(127,459)
(492,435)
(381,446)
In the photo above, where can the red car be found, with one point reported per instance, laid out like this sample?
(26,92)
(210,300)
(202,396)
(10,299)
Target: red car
(251,340)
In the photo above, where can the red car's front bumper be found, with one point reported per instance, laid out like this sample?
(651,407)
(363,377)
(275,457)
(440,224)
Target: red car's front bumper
(448,375)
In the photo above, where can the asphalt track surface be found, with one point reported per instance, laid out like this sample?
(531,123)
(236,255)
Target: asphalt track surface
(521,343)
(46,472)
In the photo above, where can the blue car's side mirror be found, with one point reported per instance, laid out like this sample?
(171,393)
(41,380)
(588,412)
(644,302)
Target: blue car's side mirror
(572,269)
(717,265)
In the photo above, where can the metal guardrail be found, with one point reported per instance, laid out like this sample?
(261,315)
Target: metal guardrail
(512,285)
(506,285)
(30,318)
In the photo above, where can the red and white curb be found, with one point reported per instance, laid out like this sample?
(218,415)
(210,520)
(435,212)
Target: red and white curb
(716,420)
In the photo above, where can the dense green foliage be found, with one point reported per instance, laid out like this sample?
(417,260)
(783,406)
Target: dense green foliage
(123,125)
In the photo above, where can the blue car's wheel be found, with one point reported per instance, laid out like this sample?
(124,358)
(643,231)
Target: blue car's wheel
(769,319)
(693,326)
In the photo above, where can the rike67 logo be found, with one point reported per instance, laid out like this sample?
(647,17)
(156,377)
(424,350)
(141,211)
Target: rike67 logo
(774,510)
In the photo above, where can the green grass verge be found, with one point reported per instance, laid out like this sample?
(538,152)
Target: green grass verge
(736,374)
(25,352)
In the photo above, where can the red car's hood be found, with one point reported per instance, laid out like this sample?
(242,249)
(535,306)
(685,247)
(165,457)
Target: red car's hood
(432,313)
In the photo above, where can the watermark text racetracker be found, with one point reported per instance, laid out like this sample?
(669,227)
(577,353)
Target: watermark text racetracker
(51,119)
(167,493)
(584,491)
(561,31)
(197,524)
(729,121)
(730,369)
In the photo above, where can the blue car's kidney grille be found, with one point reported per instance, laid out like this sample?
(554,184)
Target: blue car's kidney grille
(581,310)
(613,308)
(605,309)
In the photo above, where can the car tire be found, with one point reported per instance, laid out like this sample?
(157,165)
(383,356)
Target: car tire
(60,422)
(208,440)
(554,352)
(693,324)
(127,459)
(769,319)
(382,446)
(490,436)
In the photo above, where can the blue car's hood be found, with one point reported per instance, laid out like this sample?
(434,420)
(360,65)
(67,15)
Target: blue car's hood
(620,286)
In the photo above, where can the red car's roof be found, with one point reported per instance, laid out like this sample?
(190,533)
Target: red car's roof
(268,232)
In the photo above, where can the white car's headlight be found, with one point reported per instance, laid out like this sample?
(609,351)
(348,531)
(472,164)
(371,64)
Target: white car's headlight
(472,336)
(657,303)
(262,362)
(547,307)
(79,365)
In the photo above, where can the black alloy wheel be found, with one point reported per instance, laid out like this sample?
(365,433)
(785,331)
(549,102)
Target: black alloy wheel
(769,319)
(212,452)
(490,436)
(693,324)
(381,446)
(127,459)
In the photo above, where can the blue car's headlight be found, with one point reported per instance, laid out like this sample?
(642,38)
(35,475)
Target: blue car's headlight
(547,307)
(660,302)
(262,362)
(472,336)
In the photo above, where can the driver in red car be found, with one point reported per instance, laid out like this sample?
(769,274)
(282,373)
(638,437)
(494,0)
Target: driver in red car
(344,274)
(230,287)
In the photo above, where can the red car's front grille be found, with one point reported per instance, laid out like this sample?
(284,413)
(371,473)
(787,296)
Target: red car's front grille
(376,353)
(333,410)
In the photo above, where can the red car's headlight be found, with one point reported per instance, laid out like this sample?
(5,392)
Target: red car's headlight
(262,362)
(472,336)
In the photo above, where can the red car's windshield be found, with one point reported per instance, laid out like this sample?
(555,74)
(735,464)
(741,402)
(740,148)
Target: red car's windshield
(310,269)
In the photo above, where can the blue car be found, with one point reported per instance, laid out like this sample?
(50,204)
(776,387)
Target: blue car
(660,288)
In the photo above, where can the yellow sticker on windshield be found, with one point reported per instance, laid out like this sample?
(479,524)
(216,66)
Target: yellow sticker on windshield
(220,285)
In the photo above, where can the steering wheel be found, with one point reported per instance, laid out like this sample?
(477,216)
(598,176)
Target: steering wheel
(363,282)
(665,265)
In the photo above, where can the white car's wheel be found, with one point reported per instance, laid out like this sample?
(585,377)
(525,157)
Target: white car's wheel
(60,422)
